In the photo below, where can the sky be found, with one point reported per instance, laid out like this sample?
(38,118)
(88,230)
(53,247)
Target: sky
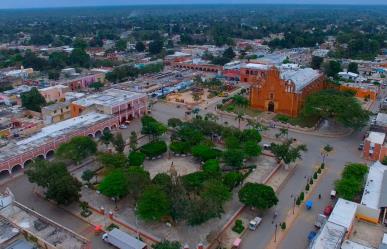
(72,3)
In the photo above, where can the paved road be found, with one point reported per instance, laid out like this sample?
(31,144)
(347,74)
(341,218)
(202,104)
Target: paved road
(345,150)
(22,190)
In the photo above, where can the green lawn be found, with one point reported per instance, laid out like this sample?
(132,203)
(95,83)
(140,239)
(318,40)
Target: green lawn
(241,109)
(302,122)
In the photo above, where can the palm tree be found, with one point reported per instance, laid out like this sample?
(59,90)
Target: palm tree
(255,125)
(211,116)
(106,137)
(325,152)
(240,118)
(283,132)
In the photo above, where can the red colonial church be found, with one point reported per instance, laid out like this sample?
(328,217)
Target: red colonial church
(281,90)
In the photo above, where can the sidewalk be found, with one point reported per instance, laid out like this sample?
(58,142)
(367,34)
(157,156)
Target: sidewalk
(294,213)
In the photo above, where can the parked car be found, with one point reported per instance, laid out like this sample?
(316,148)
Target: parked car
(123,126)
(361,146)
(253,224)
(328,210)
(320,220)
(266,146)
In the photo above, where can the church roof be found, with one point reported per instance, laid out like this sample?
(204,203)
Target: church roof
(300,77)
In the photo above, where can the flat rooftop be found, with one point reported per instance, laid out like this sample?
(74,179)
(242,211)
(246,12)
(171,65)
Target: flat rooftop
(256,66)
(328,237)
(376,137)
(42,227)
(343,213)
(367,234)
(348,244)
(110,97)
(374,186)
(50,132)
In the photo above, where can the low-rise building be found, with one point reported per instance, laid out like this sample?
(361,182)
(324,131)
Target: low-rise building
(16,219)
(55,113)
(124,104)
(54,93)
(374,199)
(374,146)
(15,155)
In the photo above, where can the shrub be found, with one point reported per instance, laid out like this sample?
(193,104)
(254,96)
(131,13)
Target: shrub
(112,226)
(283,225)
(179,147)
(307,187)
(282,118)
(204,152)
(315,175)
(311,181)
(319,171)
(322,166)
(211,168)
(232,179)
(298,202)
(154,149)
(136,158)
(302,196)
(238,226)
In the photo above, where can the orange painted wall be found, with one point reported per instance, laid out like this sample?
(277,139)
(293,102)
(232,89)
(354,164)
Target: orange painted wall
(268,88)
(360,92)
(75,110)
(379,152)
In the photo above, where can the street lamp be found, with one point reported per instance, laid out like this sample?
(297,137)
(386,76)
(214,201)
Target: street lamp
(294,203)
(275,232)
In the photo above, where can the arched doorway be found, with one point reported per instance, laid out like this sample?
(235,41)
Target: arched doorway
(50,154)
(4,174)
(98,134)
(17,168)
(270,106)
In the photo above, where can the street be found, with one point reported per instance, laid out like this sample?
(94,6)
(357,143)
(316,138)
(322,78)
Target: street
(23,191)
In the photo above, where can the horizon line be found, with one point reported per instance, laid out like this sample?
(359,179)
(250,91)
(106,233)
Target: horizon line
(190,4)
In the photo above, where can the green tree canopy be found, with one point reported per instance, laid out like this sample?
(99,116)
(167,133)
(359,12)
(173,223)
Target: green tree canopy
(341,106)
(140,47)
(353,67)
(165,244)
(234,157)
(212,168)
(154,204)
(155,47)
(58,183)
(33,100)
(121,45)
(287,152)
(115,184)
(258,195)
(118,142)
(136,158)
(204,152)
(152,127)
(77,149)
(316,62)
(232,179)
(138,180)
(332,68)
(113,160)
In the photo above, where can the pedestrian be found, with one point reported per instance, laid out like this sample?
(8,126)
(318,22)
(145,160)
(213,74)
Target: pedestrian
(319,196)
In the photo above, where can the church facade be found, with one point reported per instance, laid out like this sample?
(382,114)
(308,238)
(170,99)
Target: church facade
(281,90)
